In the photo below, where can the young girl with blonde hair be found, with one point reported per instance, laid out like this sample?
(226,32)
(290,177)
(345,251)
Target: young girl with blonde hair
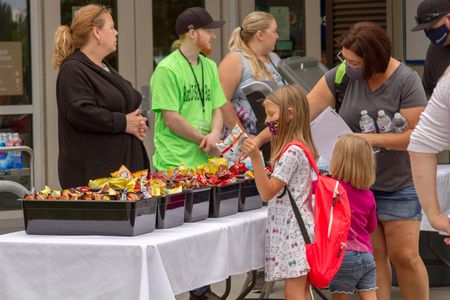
(353,165)
(288,120)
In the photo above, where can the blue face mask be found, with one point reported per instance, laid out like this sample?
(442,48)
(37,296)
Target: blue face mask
(273,127)
(355,74)
(438,36)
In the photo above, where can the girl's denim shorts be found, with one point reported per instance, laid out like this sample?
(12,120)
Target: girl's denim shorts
(402,204)
(357,273)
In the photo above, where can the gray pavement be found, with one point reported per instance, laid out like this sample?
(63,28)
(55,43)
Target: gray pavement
(441,293)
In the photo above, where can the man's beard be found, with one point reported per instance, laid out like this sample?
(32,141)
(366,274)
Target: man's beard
(205,49)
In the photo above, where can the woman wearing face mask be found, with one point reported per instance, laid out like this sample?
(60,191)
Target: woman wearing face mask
(379,82)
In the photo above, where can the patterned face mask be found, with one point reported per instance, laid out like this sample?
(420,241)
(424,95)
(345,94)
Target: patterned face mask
(273,127)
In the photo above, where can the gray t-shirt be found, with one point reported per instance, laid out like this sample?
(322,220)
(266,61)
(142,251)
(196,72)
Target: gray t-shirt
(402,90)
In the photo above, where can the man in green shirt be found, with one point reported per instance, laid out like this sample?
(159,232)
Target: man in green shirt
(187,96)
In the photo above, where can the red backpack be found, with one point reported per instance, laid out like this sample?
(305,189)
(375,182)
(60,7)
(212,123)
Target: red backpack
(332,219)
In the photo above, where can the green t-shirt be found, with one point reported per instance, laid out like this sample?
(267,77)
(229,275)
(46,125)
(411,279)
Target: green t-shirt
(174,88)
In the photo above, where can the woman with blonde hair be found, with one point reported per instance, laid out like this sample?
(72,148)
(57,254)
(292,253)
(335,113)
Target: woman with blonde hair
(250,58)
(99,121)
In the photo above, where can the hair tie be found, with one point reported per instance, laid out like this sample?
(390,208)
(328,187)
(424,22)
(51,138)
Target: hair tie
(241,33)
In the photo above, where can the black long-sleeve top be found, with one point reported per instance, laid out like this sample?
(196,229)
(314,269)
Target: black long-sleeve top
(92,108)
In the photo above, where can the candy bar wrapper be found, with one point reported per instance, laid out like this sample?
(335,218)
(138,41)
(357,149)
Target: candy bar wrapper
(231,147)
(202,169)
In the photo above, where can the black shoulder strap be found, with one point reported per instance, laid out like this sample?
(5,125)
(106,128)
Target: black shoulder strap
(299,218)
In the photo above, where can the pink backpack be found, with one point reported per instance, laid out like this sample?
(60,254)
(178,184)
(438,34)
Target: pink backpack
(332,220)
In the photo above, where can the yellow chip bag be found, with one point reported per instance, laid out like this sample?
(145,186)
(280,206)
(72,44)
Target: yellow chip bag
(97,183)
(217,163)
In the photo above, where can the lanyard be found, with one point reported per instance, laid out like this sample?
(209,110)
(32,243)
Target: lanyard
(201,92)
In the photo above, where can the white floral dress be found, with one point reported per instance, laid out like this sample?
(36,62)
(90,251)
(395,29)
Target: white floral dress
(285,247)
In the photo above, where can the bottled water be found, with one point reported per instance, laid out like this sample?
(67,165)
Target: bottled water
(322,165)
(399,123)
(3,155)
(366,123)
(16,157)
(384,123)
(8,138)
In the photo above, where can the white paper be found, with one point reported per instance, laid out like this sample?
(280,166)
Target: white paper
(326,128)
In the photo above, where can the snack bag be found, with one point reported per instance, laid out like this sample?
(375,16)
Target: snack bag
(97,183)
(123,172)
(231,147)
(142,174)
(217,164)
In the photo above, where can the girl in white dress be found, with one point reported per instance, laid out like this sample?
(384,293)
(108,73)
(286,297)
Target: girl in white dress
(287,113)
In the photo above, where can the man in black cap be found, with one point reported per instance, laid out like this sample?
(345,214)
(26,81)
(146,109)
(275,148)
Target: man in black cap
(433,16)
(187,96)
(186,100)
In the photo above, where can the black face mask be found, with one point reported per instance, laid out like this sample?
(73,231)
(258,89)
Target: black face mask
(438,36)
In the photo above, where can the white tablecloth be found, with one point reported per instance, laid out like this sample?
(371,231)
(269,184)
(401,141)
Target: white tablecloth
(156,265)
(443,193)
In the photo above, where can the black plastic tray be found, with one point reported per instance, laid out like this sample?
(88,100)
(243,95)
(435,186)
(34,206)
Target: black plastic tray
(249,198)
(224,200)
(170,211)
(197,204)
(89,217)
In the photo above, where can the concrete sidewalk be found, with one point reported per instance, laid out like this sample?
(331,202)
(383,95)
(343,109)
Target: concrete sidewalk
(441,293)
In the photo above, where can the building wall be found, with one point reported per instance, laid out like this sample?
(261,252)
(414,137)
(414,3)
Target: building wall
(136,57)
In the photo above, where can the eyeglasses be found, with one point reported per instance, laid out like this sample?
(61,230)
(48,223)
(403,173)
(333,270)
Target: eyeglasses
(103,8)
(429,17)
(342,59)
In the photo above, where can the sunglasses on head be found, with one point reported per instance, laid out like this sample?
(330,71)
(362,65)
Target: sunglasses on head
(429,17)
(102,9)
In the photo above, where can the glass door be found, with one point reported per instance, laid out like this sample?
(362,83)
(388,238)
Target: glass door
(290,16)
(165,13)
(16,100)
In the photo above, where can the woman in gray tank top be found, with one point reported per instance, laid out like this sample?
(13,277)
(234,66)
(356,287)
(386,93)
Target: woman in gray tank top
(376,81)
(250,58)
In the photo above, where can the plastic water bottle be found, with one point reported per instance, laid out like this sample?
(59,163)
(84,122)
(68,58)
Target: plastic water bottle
(8,138)
(399,123)
(17,160)
(366,123)
(384,123)
(3,155)
(322,165)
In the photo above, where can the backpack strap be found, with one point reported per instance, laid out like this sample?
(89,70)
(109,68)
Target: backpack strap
(308,154)
(340,85)
(299,218)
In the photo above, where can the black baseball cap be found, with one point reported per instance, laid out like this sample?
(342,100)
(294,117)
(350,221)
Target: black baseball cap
(429,12)
(193,18)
